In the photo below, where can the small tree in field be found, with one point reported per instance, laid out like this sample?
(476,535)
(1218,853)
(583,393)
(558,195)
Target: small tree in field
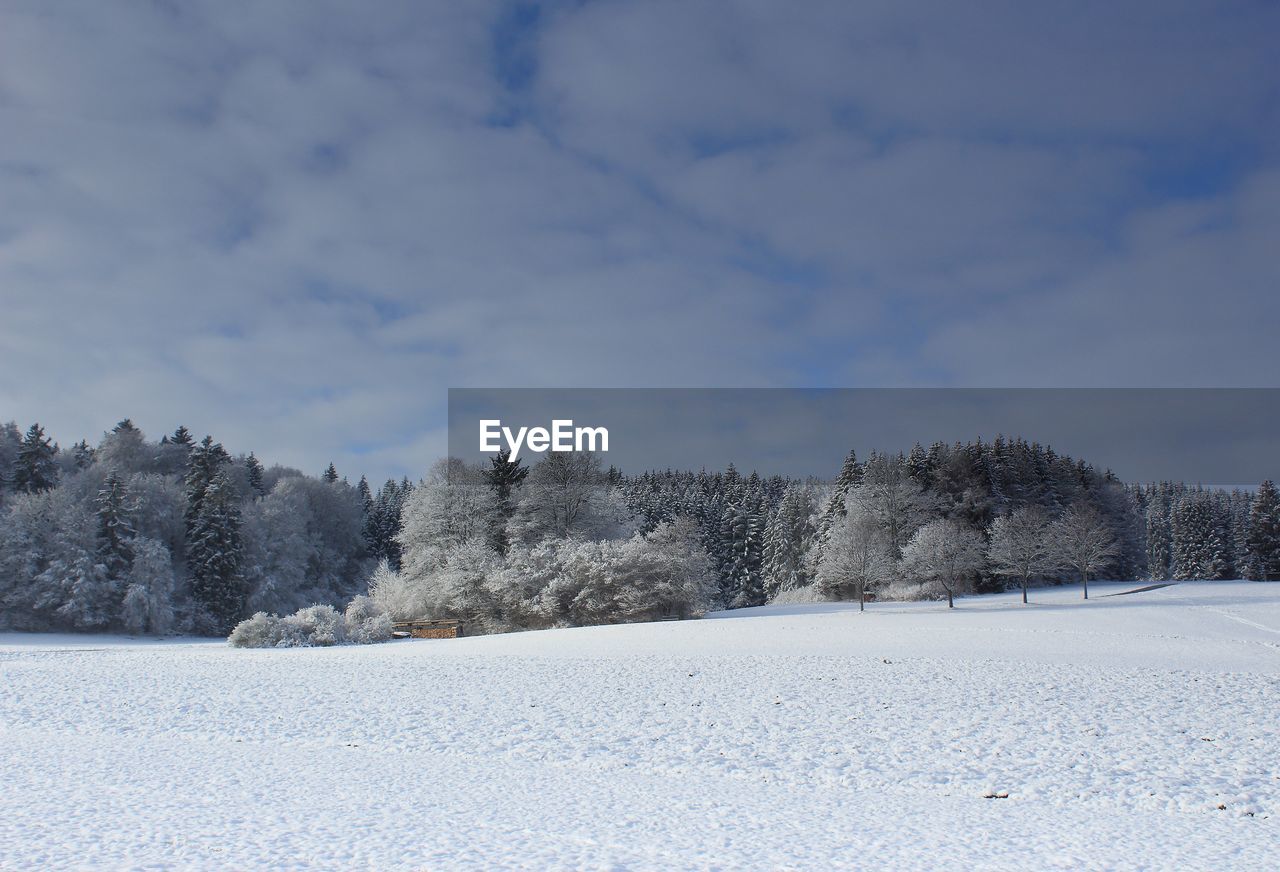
(1020,545)
(1082,540)
(858,557)
(946,553)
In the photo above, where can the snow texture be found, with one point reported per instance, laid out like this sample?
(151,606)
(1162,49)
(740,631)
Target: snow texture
(1128,732)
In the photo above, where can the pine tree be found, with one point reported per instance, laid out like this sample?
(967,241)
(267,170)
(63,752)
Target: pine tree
(253,468)
(203,465)
(34,469)
(1199,547)
(742,533)
(214,555)
(331,474)
(366,496)
(83,454)
(1263,534)
(115,532)
(182,436)
(787,537)
(503,477)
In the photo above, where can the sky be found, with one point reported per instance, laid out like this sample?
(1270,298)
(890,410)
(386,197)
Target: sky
(294,226)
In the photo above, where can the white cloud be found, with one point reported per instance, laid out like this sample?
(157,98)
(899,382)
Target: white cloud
(294,225)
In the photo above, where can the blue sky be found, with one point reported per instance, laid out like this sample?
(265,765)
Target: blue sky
(294,225)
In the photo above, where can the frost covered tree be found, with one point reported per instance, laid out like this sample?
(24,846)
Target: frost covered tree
(214,555)
(742,553)
(34,468)
(788,535)
(253,472)
(453,505)
(567,494)
(148,596)
(1020,546)
(125,450)
(946,553)
(504,476)
(331,474)
(115,530)
(1263,534)
(858,557)
(1200,546)
(1082,540)
(894,498)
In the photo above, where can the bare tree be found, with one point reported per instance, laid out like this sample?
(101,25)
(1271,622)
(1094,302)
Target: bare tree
(1020,545)
(567,494)
(893,497)
(946,553)
(1083,540)
(858,557)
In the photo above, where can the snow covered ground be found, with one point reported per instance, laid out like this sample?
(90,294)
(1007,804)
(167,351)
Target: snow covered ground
(807,737)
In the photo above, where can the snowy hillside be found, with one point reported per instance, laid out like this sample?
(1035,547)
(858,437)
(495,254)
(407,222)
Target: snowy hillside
(1128,731)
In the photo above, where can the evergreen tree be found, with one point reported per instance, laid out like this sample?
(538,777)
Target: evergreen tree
(214,555)
(742,534)
(203,465)
(83,454)
(331,474)
(1263,534)
(182,436)
(1199,547)
(115,532)
(1159,534)
(253,469)
(503,477)
(366,495)
(787,537)
(34,469)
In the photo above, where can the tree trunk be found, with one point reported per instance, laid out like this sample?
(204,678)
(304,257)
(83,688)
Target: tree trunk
(862,598)
(1024,590)
(1084,580)
(951,602)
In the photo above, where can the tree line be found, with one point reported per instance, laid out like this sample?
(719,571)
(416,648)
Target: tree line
(181,536)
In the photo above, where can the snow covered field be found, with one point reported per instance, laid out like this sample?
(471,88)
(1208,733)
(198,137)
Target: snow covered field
(783,737)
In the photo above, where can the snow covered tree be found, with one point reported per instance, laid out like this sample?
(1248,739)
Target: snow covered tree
(125,449)
(1020,546)
(1263,534)
(893,497)
(858,557)
(1159,534)
(451,506)
(504,476)
(253,472)
(567,494)
(115,530)
(742,538)
(214,555)
(787,537)
(205,463)
(1200,547)
(148,598)
(34,468)
(1082,540)
(331,474)
(946,553)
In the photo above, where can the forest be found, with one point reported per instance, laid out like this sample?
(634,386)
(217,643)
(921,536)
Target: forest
(179,536)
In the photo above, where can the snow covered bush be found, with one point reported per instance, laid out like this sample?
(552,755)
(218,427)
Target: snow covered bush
(365,623)
(260,631)
(314,626)
(396,594)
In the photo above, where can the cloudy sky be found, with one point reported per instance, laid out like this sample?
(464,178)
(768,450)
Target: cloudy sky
(294,225)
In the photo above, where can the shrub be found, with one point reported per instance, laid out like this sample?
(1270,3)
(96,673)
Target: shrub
(365,623)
